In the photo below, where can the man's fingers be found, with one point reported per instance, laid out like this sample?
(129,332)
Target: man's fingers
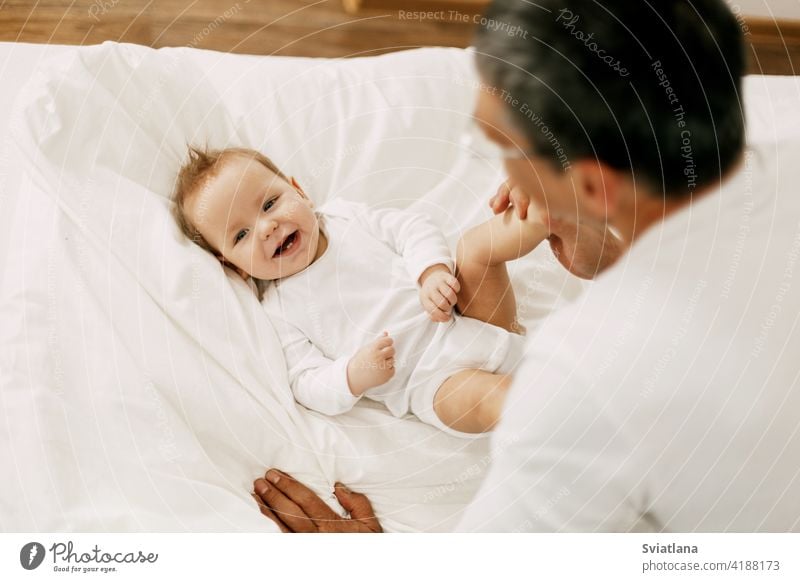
(358,506)
(311,505)
(499,205)
(284,508)
(500,200)
(267,512)
(503,190)
(520,202)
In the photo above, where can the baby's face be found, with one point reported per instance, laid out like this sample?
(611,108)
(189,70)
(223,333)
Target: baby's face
(262,225)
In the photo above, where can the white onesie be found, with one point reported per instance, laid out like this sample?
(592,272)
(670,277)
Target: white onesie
(365,283)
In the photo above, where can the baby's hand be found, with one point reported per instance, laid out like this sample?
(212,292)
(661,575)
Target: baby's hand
(372,365)
(438,292)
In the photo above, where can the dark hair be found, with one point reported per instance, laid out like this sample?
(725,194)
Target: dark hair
(652,87)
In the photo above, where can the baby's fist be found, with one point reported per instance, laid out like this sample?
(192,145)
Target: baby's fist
(438,289)
(372,365)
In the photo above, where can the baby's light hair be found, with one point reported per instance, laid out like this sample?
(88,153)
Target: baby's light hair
(202,165)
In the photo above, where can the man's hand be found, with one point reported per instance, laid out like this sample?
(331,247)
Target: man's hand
(373,365)
(438,289)
(295,508)
(510,196)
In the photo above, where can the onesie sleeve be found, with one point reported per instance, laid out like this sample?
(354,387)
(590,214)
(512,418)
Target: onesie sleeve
(412,235)
(317,382)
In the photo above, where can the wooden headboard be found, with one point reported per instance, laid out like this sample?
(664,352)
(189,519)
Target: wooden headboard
(773,43)
(774,46)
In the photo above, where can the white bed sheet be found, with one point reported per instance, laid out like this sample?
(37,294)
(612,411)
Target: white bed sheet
(141,385)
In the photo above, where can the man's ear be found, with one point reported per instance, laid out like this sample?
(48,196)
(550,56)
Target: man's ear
(598,187)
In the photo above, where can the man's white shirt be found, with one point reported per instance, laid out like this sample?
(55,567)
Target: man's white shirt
(667,398)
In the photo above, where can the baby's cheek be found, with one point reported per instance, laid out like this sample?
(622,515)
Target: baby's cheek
(291,209)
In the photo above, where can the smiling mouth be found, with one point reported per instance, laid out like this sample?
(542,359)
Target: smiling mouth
(287,244)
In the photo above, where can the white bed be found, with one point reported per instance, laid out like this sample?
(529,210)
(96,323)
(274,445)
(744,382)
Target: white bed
(143,388)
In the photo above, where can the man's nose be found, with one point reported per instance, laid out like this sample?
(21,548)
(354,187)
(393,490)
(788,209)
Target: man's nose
(265,227)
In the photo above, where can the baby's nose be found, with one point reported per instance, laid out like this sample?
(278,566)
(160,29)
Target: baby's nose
(265,228)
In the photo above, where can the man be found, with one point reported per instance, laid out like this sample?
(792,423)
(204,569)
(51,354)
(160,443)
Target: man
(667,398)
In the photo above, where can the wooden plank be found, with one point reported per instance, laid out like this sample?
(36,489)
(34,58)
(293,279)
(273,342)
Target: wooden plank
(774,45)
(467,7)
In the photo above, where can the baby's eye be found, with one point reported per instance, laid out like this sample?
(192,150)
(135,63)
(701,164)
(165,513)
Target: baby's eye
(269,204)
(239,236)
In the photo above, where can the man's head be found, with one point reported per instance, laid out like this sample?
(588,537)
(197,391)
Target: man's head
(239,206)
(613,97)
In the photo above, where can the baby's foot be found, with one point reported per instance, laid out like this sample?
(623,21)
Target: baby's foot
(503,238)
(518,237)
(584,252)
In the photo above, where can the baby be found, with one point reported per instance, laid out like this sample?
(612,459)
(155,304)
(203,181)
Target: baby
(366,302)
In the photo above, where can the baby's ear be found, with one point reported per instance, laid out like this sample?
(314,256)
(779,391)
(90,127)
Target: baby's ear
(298,188)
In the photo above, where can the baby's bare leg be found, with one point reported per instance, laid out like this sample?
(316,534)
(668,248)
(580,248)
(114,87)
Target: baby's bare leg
(481,257)
(471,400)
